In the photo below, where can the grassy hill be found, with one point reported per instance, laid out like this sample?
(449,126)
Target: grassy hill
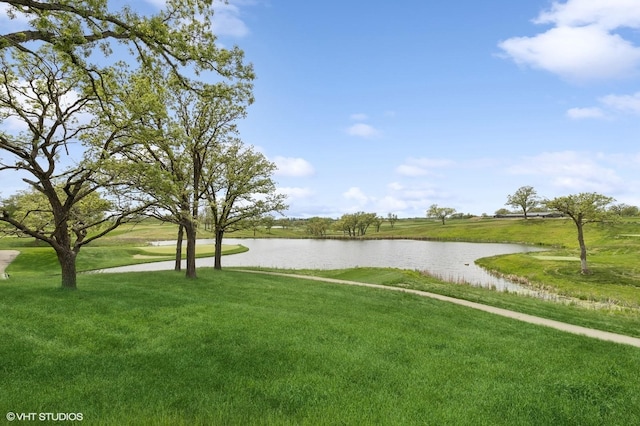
(238,348)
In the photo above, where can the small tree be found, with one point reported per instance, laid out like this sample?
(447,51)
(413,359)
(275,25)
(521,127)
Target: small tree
(268,221)
(440,213)
(525,198)
(392,218)
(582,208)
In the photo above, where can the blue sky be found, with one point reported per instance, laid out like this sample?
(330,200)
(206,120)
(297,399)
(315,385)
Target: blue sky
(390,107)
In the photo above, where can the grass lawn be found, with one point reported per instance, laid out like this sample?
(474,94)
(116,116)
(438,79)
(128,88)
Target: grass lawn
(237,348)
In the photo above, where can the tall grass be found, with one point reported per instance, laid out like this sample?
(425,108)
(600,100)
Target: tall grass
(235,348)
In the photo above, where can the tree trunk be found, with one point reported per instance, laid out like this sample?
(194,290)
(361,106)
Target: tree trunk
(217,263)
(178,264)
(583,250)
(190,229)
(67,260)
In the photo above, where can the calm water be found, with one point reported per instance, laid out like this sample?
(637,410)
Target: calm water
(452,261)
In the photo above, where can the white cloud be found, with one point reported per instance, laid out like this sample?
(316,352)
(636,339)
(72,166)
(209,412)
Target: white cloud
(583,44)
(610,105)
(414,167)
(576,53)
(411,170)
(363,130)
(359,117)
(392,204)
(609,14)
(624,103)
(227,22)
(355,193)
(289,166)
(226,19)
(572,171)
(585,113)
(295,192)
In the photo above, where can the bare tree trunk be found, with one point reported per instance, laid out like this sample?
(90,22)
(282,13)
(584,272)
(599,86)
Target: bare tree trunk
(217,263)
(67,260)
(583,250)
(190,229)
(178,264)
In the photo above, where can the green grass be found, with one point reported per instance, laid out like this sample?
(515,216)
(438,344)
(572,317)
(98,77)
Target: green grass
(239,348)
(42,260)
(616,319)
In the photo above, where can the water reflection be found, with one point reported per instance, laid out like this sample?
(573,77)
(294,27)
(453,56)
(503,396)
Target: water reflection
(451,261)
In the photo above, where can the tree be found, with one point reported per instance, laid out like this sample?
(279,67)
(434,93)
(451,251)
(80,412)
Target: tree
(178,143)
(179,37)
(318,226)
(268,221)
(525,198)
(356,224)
(392,218)
(377,222)
(47,97)
(440,213)
(624,210)
(238,188)
(76,36)
(582,208)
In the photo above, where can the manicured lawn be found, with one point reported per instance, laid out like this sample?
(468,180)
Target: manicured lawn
(237,348)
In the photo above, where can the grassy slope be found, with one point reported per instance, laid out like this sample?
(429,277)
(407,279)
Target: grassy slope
(234,348)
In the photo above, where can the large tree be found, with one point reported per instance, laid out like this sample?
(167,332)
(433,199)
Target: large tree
(51,114)
(525,198)
(177,145)
(582,208)
(239,189)
(441,213)
(81,37)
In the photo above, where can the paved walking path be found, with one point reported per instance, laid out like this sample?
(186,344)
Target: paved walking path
(6,256)
(569,328)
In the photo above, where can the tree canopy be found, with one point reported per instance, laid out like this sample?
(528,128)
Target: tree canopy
(239,189)
(441,213)
(582,208)
(179,36)
(82,111)
(526,198)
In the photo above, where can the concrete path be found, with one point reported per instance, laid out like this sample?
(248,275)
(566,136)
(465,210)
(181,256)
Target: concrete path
(569,328)
(6,257)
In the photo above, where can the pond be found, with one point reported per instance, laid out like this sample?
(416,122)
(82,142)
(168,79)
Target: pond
(451,261)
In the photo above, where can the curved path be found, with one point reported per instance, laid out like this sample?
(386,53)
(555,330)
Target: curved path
(6,256)
(569,328)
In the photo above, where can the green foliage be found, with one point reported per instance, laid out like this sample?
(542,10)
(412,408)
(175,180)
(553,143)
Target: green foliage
(525,198)
(318,226)
(356,224)
(178,36)
(441,213)
(240,187)
(583,208)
